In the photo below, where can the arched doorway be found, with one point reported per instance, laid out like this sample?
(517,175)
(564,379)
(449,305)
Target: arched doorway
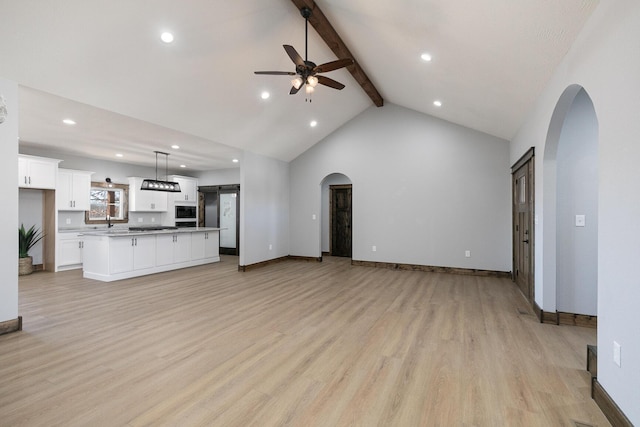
(336,216)
(570,236)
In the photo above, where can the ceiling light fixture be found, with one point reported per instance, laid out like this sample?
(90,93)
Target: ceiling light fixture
(68,122)
(235,160)
(157,185)
(313,123)
(183,166)
(175,147)
(297,82)
(426,57)
(437,103)
(119,155)
(265,95)
(166,37)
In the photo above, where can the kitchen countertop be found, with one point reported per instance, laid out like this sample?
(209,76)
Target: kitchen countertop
(121,231)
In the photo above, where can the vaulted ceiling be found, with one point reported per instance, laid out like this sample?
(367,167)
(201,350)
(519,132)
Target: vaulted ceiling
(102,63)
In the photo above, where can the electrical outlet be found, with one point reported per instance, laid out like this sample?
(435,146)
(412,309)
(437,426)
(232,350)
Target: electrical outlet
(374,248)
(68,221)
(313,217)
(467,254)
(580,220)
(270,247)
(140,219)
(153,219)
(616,353)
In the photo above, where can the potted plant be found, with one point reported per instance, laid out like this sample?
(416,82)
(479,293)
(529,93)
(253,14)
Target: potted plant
(26,240)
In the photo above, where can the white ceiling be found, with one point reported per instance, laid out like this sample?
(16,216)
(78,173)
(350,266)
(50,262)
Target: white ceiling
(101,62)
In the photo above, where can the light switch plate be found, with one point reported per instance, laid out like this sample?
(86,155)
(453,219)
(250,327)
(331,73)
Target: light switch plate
(616,353)
(580,220)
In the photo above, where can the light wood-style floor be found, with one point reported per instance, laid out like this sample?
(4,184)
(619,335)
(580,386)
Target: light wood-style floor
(295,343)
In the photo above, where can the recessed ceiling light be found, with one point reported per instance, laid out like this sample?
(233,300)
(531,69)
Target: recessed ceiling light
(425,57)
(313,123)
(119,155)
(68,122)
(437,103)
(265,95)
(175,147)
(166,37)
(235,160)
(183,166)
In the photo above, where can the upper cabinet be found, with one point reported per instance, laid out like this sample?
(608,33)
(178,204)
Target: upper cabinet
(37,172)
(188,194)
(74,188)
(145,200)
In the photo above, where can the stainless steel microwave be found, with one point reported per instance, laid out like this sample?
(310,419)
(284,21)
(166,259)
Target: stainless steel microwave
(186,212)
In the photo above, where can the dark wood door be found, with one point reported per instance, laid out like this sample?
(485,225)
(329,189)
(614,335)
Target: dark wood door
(523,212)
(340,220)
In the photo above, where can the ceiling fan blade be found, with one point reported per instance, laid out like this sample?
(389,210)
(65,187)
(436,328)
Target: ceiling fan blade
(330,82)
(293,54)
(293,90)
(333,65)
(276,73)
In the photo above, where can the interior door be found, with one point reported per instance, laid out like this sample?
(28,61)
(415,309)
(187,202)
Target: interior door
(229,221)
(341,220)
(523,212)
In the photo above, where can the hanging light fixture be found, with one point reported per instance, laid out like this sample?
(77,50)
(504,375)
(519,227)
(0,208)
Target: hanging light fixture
(157,185)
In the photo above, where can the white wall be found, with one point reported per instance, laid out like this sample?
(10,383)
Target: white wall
(9,212)
(264,209)
(577,194)
(425,190)
(219,177)
(605,62)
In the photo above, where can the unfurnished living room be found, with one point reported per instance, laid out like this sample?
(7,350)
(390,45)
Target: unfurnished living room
(288,212)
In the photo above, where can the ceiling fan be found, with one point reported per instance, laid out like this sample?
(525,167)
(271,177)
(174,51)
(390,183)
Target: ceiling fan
(307,72)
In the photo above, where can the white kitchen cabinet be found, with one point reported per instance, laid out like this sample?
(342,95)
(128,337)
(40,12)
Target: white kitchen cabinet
(173,248)
(131,253)
(73,190)
(145,200)
(205,245)
(188,194)
(70,248)
(37,172)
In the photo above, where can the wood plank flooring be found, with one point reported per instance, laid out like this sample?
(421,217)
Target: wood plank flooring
(291,344)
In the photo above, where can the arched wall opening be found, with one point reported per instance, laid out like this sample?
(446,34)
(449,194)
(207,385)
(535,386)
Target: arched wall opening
(325,215)
(570,200)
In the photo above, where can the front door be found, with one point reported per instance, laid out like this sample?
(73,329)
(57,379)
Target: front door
(523,198)
(340,220)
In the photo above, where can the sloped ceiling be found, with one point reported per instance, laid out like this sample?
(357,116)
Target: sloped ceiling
(102,63)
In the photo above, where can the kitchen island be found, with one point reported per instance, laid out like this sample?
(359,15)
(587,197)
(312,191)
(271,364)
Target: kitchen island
(117,254)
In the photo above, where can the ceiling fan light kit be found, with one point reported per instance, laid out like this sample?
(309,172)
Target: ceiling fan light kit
(307,72)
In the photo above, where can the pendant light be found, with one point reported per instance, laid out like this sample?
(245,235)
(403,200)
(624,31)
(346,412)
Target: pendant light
(157,185)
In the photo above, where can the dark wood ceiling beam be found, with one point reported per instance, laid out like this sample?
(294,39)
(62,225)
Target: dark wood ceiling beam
(324,28)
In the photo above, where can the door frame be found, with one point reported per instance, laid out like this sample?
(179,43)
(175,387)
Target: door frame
(220,189)
(527,158)
(332,189)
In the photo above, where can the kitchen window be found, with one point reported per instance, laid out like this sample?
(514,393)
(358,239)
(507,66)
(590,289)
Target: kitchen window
(108,202)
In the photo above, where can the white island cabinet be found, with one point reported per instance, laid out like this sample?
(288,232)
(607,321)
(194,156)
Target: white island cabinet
(174,248)
(121,254)
(205,245)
